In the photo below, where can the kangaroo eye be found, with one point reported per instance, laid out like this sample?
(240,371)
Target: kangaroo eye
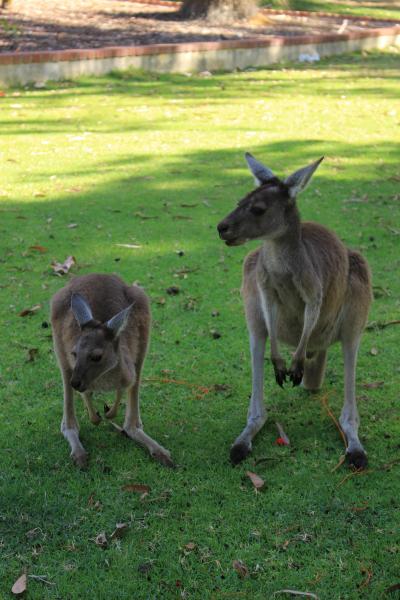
(257,210)
(96,357)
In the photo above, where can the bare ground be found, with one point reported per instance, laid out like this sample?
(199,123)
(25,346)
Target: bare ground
(50,25)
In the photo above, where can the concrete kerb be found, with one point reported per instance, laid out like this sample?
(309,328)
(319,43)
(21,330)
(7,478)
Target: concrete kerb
(38,67)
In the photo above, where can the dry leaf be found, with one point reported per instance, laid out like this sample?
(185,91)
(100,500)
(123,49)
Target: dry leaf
(101,540)
(63,268)
(38,248)
(144,568)
(373,385)
(173,290)
(119,531)
(133,246)
(30,311)
(190,546)
(19,586)
(255,480)
(374,351)
(240,568)
(32,354)
(72,225)
(139,488)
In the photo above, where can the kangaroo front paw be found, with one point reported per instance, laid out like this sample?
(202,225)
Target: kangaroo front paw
(296,371)
(280,371)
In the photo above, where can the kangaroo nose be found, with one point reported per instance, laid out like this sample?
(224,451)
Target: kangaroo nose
(222,227)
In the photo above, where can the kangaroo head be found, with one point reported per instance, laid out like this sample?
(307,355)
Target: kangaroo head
(263,213)
(96,350)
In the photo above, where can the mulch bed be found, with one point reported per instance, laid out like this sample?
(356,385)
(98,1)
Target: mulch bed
(60,25)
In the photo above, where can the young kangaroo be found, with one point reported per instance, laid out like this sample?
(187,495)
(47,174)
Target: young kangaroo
(101,330)
(302,287)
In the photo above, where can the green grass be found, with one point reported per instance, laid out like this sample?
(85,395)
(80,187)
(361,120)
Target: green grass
(104,154)
(379,9)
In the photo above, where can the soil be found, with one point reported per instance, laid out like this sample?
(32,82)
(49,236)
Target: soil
(30,25)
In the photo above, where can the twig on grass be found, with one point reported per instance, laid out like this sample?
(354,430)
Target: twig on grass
(356,472)
(381,324)
(368,576)
(324,402)
(297,593)
(42,579)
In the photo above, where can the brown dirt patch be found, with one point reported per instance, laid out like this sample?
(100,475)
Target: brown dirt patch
(51,25)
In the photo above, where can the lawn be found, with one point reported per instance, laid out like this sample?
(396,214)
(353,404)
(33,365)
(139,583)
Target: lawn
(130,174)
(379,9)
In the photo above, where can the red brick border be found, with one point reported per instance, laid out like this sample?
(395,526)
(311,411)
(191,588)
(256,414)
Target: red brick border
(16,58)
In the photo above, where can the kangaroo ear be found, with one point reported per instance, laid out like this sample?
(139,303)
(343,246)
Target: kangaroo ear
(297,181)
(261,173)
(119,321)
(81,310)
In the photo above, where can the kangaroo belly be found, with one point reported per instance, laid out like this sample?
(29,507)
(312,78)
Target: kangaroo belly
(290,327)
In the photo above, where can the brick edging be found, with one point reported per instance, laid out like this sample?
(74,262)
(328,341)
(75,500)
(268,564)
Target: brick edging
(15,58)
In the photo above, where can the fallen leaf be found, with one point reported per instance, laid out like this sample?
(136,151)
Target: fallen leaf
(119,531)
(142,216)
(138,488)
(240,568)
(374,351)
(392,588)
(39,195)
(133,246)
(255,480)
(222,387)
(63,268)
(19,586)
(173,290)
(38,248)
(145,567)
(160,301)
(32,354)
(30,311)
(72,225)
(190,546)
(373,385)
(101,540)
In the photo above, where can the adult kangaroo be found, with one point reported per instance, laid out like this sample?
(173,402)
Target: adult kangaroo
(302,287)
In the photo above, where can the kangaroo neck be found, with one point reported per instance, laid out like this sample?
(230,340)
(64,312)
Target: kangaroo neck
(288,243)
